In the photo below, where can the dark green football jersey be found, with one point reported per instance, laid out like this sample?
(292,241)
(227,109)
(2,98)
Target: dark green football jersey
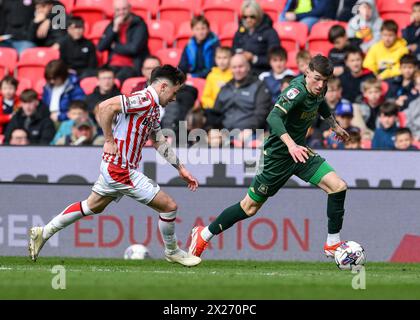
(299,109)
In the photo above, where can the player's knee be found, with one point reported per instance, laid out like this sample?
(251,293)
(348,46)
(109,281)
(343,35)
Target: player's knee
(340,186)
(171,206)
(250,209)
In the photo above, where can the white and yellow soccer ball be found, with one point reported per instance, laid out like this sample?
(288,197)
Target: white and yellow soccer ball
(136,252)
(350,256)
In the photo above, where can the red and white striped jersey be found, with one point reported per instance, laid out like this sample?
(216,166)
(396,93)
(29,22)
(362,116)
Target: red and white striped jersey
(140,115)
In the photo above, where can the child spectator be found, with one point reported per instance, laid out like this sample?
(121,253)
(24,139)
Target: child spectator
(105,89)
(149,64)
(354,74)
(344,116)
(273,79)
(77,109)
(367,112)
(337,36)
(366,24)
(286,82)
(218,77)
(198,55)
(33,119)
(61,89)
(19,137)
(383,58)
(9,102)
(303,57)
(400,87)
(76,51)
(354,141)
(404,139)
(412,33)
(385,134)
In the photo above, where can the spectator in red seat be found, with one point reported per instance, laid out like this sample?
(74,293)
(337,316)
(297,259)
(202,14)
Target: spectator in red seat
(400,87)
(9,101)
(255,36)
(126,40)
(106,88)
(404,139)
(19,137)
(149,64)
(366,24)
(61,89)
(412,33)
(42,31)
(308,12)
(15,17)
(384,136)
(354,74)
(76,51)
(198,56)
(33,117)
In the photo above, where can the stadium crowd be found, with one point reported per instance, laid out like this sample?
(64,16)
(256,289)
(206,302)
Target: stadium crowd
(238,55)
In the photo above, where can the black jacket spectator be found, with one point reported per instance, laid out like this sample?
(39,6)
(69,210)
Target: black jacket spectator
(352,85)
(94,98)
(79,55)
(412,35)
(54,35)
(244,107)
(344,10)
(16,17)
(136,46)
(259,43)
(40,127)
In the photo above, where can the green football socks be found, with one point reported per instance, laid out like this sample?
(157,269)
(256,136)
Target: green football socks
(228,218)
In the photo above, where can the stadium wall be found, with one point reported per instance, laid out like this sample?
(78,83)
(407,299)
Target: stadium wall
(216,167)
(291,226)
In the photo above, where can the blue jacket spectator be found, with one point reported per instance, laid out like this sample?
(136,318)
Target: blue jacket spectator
(255,37)
(61,89)
(198,56)
(384,137)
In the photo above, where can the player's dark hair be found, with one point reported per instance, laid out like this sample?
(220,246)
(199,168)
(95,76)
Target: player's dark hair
(401,131)
(322,64)
(390,25)
(408,59)
(352,50)
(28,95)
(9,80)
(56,69)
(336,32)
(76,21)
(389,109)
(168,72)
(78,104)
(277,52)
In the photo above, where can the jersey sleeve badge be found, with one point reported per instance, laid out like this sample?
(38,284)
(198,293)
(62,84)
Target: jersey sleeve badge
(292,93)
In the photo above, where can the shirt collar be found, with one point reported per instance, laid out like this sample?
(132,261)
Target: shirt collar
(154,94)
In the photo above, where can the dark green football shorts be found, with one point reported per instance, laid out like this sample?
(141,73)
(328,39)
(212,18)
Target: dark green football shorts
(275,172)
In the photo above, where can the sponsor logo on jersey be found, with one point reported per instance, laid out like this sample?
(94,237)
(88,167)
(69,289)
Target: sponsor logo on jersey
(292,93)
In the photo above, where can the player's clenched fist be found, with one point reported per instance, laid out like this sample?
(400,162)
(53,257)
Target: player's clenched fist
(110,148)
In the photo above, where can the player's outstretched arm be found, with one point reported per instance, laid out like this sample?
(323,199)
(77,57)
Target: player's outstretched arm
(107,111)
(163,147)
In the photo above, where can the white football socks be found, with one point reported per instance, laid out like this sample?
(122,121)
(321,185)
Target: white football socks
(206,234)
(333,239)
(167,230)
(70,215)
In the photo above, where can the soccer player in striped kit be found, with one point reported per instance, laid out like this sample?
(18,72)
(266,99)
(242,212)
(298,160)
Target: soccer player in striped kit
(137,119)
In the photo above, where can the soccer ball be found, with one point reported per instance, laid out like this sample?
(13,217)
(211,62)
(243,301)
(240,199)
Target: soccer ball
(136,252)
(350,256)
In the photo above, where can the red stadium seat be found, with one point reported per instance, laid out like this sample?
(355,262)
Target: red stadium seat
(39,86)
(293,35)
(401,18)
(183,35)
(68,4)
(161,34)
(169,56)
(394,5)
(130,83)
(197,83)
(97,31)
(228,33)
(318,38)
(89,84)
(221,12)
(2,137)
(32,62)
(272,7)
(291,61)
(90,16)
(105,5)
(23,85)
(176,11)
(145,8)
(8,60)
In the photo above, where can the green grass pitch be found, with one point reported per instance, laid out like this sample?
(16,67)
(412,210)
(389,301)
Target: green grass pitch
(158,279)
